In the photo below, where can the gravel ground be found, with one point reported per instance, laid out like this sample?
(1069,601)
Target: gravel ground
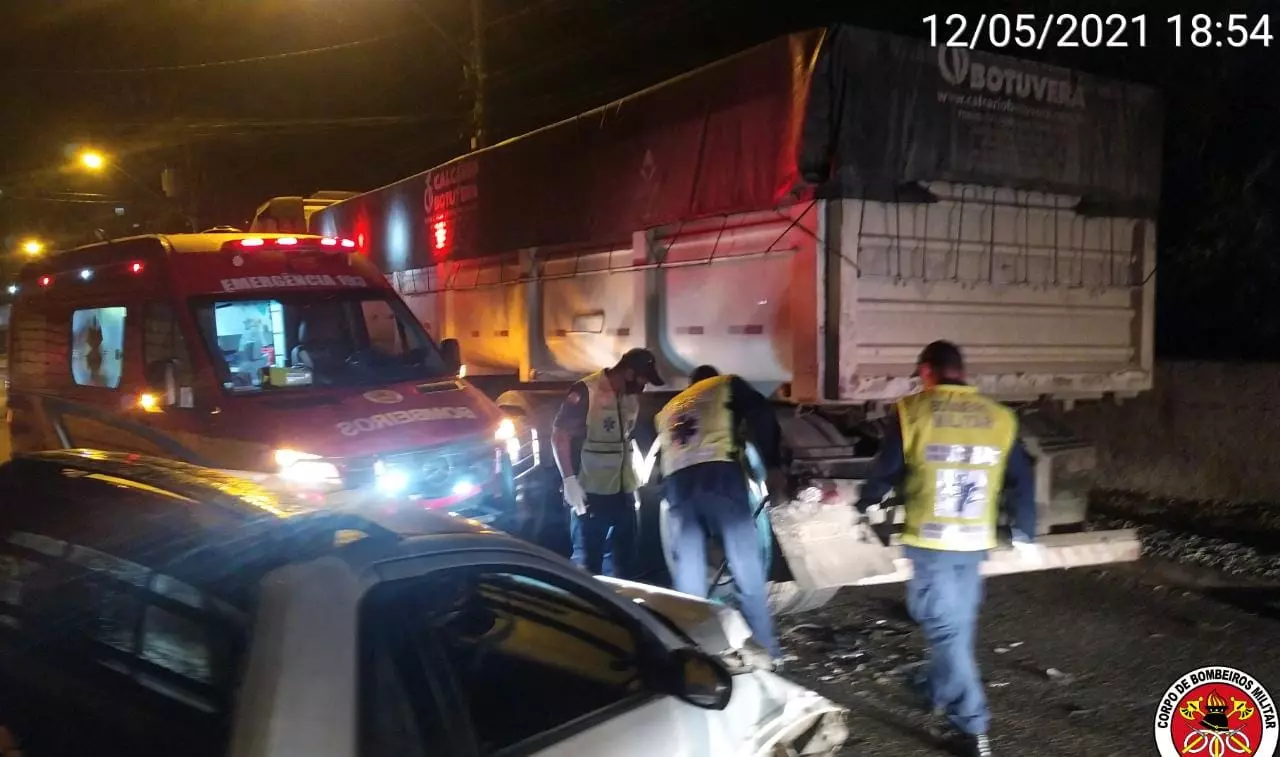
(1074,661)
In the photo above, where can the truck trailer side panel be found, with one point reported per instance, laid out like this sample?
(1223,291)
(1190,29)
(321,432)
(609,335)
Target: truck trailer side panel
(1044,300)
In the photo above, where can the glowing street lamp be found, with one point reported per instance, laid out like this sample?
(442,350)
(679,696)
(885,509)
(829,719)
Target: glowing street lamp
(92,160)
(32,247)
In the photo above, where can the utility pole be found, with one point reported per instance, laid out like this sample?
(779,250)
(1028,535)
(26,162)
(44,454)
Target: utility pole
(472,61)
(477,75)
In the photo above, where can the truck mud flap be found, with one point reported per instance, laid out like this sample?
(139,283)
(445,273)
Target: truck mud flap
(825,549)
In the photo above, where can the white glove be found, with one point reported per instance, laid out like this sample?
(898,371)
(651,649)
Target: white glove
(1029,551)
(574,496)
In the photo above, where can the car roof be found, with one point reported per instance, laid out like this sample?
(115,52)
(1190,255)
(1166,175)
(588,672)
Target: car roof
(267,532)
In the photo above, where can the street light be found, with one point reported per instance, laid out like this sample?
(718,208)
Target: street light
(32,247)
(92,160)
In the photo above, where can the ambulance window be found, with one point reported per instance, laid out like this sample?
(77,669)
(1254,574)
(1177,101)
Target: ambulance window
(386,332)
(97,346)
(251,336)
(163,342)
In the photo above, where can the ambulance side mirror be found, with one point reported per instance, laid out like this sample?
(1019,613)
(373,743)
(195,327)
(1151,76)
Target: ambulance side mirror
(451,352)
(161,381)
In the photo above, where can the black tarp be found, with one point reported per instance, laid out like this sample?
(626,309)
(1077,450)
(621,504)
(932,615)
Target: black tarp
(886,110)
(846,112)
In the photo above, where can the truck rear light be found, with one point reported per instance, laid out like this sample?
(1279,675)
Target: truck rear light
(328,242)
(135,267)
(349,244)
(287,241)
(45,280)
(254,242)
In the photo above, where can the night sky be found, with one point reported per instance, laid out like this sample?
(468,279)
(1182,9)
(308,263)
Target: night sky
(249,99)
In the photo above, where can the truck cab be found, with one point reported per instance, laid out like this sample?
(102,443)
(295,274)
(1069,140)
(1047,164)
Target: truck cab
(291,215)
(286,359)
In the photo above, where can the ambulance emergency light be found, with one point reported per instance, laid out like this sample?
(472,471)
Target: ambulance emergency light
(249,244)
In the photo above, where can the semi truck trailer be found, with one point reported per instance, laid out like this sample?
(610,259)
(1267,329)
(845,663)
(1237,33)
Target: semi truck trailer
(808,214)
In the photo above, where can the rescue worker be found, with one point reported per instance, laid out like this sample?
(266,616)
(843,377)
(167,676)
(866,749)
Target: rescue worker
(701,440)
(950,453)
(591,441)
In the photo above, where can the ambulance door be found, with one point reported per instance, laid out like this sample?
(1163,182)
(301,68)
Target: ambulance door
(101,406)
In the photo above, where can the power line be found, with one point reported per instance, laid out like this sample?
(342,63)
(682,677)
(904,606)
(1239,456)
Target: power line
(523,12)
(219,63)
(609,38)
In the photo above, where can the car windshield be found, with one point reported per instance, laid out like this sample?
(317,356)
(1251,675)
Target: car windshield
(289,339)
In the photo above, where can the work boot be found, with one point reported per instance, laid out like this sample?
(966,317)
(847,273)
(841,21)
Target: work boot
(975,745)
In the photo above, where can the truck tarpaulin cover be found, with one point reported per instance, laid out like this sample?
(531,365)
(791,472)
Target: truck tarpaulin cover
(887,110)
(720,140)
(845,112)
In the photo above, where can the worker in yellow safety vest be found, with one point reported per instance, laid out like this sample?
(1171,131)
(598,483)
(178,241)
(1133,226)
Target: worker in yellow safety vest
(701,437)
(591,441)
(950,453)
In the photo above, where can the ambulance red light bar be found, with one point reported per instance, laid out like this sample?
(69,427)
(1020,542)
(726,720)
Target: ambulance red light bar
(267,243)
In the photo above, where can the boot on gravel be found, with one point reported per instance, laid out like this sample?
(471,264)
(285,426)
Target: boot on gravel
(975,745)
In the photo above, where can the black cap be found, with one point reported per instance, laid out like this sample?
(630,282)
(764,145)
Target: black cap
(643,363)
(942,356)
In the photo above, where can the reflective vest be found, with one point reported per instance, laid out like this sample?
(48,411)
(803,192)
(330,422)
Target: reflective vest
(697,426)
(604,466)
(955,443)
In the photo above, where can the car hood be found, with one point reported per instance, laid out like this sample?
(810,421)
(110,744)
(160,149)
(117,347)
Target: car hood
(716,629)
(767,710)
(341,422)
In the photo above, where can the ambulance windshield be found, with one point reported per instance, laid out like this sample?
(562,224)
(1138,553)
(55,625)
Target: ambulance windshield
(319,338)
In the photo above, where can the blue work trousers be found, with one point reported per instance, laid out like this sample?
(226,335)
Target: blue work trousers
(943,596)
(718,503)
(604,540)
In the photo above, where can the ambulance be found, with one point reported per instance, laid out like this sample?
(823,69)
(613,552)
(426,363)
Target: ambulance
(287,359)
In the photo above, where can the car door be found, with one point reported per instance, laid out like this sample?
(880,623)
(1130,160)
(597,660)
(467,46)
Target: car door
(540,659)
(102,650)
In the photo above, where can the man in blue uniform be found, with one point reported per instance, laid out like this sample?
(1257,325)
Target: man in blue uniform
(591,441)
(950,453)
(700,433)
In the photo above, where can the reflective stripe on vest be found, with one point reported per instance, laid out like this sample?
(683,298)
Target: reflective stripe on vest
(955,443)
(604,466)
(696,426)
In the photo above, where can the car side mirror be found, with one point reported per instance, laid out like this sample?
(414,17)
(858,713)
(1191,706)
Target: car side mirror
(452,354)
(699,679)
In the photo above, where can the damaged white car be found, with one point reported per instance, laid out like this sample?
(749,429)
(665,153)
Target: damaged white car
(467,642)
(149,608)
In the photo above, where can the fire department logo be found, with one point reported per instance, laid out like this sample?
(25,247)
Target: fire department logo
(1216,712)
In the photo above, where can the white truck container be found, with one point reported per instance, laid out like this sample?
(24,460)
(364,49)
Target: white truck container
(815,264)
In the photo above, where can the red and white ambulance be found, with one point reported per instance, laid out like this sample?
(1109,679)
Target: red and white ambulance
(287,358)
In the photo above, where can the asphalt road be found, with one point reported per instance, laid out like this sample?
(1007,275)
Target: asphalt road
(1074,661)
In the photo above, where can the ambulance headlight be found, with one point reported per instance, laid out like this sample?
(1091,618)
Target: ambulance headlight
(305,468)
(390,479)
(506,437)
(506,430)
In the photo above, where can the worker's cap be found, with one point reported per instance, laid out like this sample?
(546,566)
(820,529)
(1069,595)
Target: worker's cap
(941,356)
(643,363)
